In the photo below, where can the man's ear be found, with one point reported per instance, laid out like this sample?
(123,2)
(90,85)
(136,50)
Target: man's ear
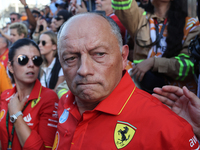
(125,52)
(10,67)
(22,36)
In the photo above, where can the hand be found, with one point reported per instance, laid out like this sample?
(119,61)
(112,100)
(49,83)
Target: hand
(72,7)
(183,102)
(23,2)
(140,69)
(39,21)
(15,105)
(44,23)
(81,9)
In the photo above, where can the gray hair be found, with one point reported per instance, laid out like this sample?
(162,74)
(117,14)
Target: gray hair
(114,28)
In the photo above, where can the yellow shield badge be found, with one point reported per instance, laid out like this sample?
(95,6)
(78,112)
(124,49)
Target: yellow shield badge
(34,102)
(123,134)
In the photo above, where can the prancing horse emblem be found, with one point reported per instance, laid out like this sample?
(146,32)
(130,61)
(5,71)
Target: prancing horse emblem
(123,134)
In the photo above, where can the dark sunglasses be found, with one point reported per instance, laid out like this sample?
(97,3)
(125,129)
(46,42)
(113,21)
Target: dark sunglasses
(12,19)
(23,60)
(58,18)
(43,43)
(35,16)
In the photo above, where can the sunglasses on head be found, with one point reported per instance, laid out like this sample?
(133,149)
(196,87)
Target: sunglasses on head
(23,60)
(43,43)
(12,19)
(58,18)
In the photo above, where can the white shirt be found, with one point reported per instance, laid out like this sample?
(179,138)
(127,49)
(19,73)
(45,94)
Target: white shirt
(47,73)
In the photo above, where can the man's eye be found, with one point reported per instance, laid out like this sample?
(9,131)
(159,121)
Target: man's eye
(100,54)
(70,59)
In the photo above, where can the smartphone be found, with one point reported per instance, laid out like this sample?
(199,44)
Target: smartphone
(41,28)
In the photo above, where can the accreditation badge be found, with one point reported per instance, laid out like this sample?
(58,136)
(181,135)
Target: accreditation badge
(123,134)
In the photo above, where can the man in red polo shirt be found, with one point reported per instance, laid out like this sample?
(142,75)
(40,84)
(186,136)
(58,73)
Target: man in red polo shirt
(104,109)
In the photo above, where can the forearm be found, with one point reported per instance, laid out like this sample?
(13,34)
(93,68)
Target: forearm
(22,130)
(129,14)
(31,19)
(6,36)
(177,68)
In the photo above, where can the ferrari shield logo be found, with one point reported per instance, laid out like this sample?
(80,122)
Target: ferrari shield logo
(34,102)
(123,134)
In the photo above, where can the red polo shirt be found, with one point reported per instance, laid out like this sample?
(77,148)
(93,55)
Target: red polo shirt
(40,115)
(128,118)
(4,58)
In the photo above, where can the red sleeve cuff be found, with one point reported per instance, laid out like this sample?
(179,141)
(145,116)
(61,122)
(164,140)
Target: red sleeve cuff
(33,142)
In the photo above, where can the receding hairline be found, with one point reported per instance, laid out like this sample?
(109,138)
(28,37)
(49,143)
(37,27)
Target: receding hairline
(111,25)
(76,18)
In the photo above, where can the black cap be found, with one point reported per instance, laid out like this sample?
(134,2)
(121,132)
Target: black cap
(65,14)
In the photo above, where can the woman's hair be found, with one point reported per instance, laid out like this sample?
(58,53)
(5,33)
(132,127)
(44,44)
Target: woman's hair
(15,46)
(53,38)
(175,30)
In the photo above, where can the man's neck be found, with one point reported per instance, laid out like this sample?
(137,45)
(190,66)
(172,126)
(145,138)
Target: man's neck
(85,106)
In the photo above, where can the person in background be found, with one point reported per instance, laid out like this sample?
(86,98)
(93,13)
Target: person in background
(4,51)
(28,111)
(51,74)
(15,17)
(53,7)
(53,25)
(18,30)
(47,12)
(60,5)
(40,28)
(62,89)
(61,17)
(103,100)
(183,102)
(161,38)
(5,82)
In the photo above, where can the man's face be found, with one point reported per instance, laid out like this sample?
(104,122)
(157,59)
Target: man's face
(13,18)
(91,61)
(14,36)
(104,5)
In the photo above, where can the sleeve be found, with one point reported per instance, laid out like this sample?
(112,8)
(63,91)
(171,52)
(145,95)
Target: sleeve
(181,66)
(186,140)
(44,138)
(5,82)
(129,14)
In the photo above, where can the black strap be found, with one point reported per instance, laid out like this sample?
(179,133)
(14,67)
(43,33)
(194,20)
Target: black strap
(159,35)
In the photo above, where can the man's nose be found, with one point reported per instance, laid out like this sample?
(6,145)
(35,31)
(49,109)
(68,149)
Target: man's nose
(85,66)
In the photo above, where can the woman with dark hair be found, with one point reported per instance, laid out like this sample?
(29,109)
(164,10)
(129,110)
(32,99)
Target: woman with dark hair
(28,112)
(161,41)
(51,74)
